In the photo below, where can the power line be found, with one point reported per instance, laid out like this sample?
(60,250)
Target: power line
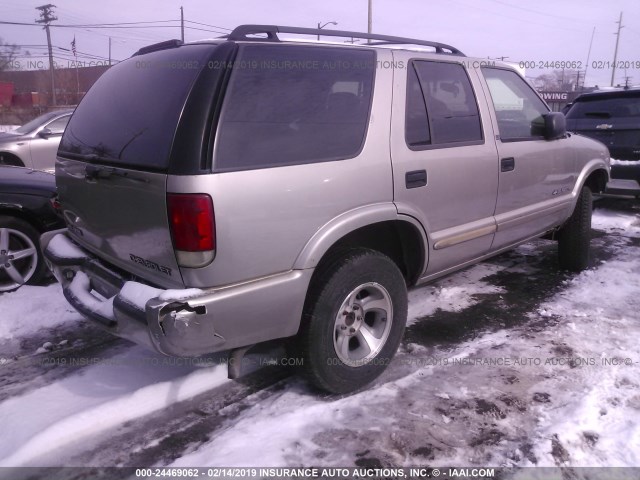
(520,19)
(205,30)
(209,25)
(62,56)
(63,49)
(537,12)
(141,37)
(92,25)
(100,25)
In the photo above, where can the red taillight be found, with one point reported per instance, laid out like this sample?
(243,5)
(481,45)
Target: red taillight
(55,203)
(193,225)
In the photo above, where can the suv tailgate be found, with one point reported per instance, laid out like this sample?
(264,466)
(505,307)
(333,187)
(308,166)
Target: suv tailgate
(121,216)
(115,156)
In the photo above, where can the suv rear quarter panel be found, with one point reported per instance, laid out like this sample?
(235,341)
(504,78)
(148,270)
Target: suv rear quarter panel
(265,217)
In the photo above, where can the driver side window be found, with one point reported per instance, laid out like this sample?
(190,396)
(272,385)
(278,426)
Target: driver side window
(519,110)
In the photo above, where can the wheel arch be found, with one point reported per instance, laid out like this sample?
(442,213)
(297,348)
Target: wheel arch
(24,215)
(597,180)
(399,237)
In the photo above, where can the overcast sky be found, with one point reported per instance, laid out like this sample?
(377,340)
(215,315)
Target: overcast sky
(532,31)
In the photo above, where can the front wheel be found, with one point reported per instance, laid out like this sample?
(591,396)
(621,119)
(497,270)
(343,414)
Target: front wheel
(574,238)
(354,318)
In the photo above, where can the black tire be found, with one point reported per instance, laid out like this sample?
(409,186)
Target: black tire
(574,238)
(22,236)
(372,280)
(11,160)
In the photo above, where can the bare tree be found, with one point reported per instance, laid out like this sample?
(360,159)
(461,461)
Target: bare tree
(8,54)
(564,80)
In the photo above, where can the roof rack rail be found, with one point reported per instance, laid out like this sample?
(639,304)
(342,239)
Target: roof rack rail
(243,32)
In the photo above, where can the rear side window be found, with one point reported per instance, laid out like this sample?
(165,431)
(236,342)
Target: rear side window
(519,110)
(417,131)
(451,108)
(129,117)
(623,106)
(289,105)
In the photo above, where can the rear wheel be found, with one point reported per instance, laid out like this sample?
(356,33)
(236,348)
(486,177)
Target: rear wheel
(574,238)
(353,321)
(20,256)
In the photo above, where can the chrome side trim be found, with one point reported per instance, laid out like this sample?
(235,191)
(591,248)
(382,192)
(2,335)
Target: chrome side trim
(452,240)
(473,261)
(528,214)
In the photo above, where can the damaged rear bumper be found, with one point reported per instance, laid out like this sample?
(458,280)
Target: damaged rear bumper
(185,323)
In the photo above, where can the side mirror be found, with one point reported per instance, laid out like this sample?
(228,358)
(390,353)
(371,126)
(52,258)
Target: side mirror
(555,126)
(45,133)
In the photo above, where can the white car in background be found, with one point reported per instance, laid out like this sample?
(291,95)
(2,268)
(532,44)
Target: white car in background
(34,144)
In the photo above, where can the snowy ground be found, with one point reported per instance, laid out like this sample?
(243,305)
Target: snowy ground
(507,363)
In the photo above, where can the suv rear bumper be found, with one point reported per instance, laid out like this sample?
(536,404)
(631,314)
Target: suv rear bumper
(185,323)
(627,174)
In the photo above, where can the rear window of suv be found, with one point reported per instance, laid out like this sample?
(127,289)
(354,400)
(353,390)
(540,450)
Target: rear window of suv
(619,105)
(289,105)
(129,116)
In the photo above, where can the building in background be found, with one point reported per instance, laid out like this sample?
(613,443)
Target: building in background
(30,95)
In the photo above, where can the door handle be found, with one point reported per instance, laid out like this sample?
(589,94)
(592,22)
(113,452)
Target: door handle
(507,164)
(415,179)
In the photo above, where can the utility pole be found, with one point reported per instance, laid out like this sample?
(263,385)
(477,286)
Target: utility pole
(615,53)
(46,17)
(370,19)
(626,82)
(109,51)
(586,66)
(182,24)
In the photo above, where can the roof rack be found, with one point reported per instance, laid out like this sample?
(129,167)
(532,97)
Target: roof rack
(243,32)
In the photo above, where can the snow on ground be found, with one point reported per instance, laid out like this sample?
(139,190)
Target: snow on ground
(82,406)
(615,161)
(123,384)
(506,363)
(569,396)
(454,293)
(22,311)
(8,128)
(599,328)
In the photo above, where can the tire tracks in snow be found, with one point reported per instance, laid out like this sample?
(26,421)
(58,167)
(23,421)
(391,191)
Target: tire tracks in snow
(72,347)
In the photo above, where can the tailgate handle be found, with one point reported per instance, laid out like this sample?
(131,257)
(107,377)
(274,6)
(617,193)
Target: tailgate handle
(415,179)
(507,164)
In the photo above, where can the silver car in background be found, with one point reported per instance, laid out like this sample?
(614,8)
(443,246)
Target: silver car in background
(34,144)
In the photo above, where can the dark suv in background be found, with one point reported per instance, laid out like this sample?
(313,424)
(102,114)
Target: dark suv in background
(612,117)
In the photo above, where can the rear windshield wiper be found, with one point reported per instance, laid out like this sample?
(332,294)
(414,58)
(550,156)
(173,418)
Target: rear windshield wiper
(94,171)
(86,157)
(104,172)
